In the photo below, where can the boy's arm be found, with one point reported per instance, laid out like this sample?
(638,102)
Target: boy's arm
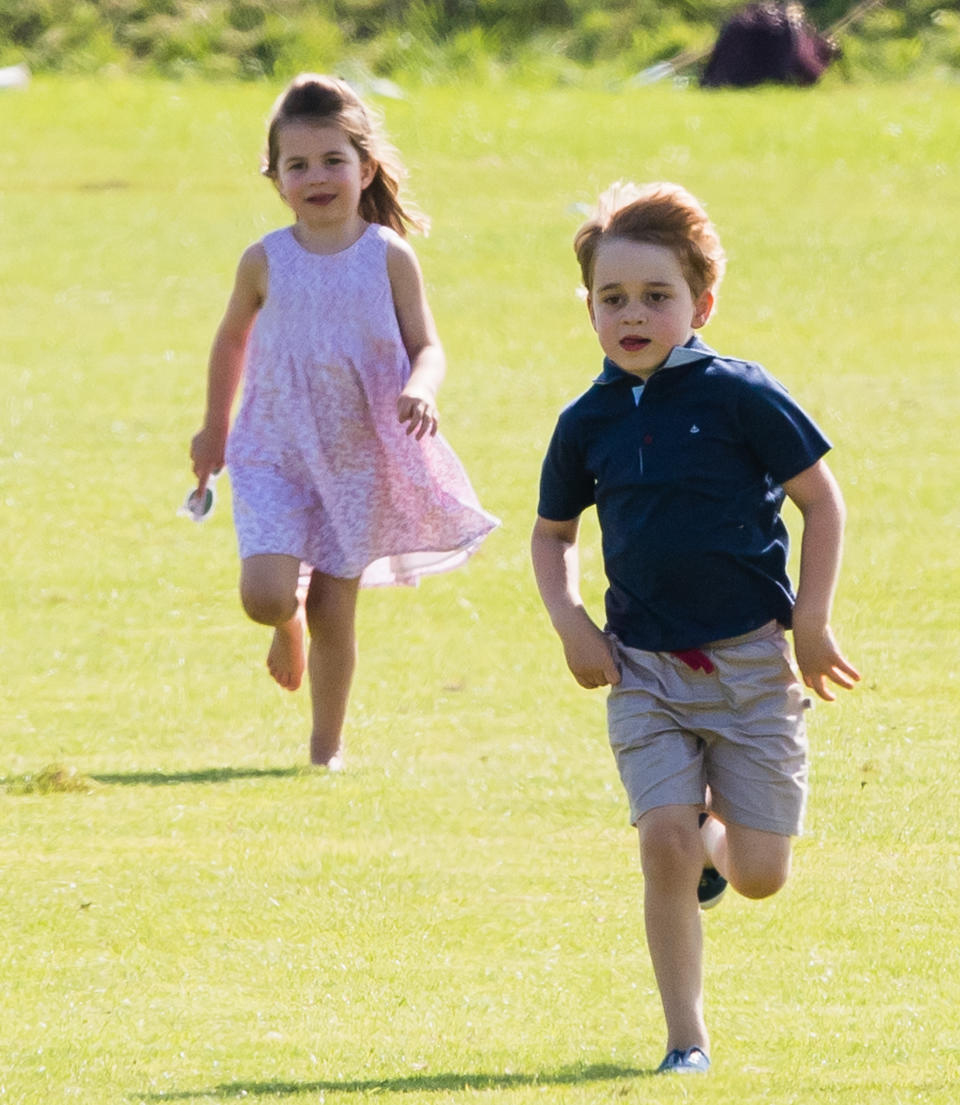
(817,497)
(417,404)
(557,570)
(226,363)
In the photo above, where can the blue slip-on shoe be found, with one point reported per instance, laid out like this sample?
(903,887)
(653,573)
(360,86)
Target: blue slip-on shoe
(711,888)
(691,1060)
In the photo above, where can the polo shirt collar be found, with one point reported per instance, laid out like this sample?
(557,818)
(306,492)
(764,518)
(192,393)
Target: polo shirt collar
(694,350)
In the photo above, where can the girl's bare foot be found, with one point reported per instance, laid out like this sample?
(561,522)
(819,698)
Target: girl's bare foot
(287,657)
(326,753)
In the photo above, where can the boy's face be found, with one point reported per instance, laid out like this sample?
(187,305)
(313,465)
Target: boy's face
(641,305)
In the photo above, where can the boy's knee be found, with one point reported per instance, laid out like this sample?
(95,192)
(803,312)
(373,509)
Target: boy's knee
(758,885)
(669,845)
(761,877)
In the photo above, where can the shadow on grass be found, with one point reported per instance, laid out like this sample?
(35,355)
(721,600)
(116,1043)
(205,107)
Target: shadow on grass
(419,1083)
(205,775)
(61,779)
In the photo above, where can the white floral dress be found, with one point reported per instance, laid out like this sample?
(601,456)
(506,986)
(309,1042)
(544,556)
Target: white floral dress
(320,468)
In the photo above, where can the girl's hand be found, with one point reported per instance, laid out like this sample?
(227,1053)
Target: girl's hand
(417,405)
(419,411)
(206,452)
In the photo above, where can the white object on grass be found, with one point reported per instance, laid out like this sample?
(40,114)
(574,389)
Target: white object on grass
(14,76)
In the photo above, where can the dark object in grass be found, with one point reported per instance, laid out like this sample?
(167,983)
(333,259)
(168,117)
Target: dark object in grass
(768,41)
(54,779)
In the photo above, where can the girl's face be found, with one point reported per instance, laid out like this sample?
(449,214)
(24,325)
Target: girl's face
(319,173)
(641,304)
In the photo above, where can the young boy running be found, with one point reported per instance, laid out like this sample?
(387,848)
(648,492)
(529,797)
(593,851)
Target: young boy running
(687,456)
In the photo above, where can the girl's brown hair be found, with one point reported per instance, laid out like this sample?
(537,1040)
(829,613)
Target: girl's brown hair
(313,98)
(656,214)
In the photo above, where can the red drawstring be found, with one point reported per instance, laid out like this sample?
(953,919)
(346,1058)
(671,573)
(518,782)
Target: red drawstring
(695,660)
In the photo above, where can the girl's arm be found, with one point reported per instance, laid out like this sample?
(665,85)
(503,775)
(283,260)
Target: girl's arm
(226,362)
(817,497)
(417,404)
(556,566)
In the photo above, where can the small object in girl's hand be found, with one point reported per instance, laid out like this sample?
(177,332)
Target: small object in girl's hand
(197,509)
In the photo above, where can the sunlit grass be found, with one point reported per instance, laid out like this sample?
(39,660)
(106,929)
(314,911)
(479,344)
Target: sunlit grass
(190,914)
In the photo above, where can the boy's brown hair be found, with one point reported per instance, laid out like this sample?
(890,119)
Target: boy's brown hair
(656,214)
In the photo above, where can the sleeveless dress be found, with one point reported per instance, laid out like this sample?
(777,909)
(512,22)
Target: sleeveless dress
(320,468)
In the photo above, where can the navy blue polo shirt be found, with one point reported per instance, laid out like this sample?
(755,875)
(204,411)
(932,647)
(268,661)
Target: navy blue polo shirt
(686,472)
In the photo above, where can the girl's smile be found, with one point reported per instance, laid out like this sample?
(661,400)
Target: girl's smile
(321,176)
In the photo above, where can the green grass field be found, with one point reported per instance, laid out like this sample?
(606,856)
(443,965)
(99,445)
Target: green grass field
(188,913)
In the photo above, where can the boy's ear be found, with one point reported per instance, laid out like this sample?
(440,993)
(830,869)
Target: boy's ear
(593,317)
(703,308)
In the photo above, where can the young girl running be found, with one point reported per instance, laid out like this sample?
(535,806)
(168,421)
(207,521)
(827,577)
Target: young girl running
(335,462)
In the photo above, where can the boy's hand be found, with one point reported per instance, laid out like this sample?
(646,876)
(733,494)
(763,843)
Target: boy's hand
(590,657)
(817,497)
(819,659)
(589,654)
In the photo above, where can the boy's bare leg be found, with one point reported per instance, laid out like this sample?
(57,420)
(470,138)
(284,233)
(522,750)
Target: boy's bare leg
(268,589)
(754,862)
(331,661)
(672,857)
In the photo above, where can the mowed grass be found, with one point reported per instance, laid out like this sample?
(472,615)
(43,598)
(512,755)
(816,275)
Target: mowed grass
(191,915)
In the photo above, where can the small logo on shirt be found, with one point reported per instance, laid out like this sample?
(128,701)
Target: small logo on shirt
(694,429)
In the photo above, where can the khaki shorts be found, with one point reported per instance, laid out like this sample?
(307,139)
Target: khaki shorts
(739,730)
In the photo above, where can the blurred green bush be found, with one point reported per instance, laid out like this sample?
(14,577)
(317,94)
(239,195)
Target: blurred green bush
(431,40)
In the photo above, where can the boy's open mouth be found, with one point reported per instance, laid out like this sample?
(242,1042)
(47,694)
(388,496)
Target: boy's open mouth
(633,344)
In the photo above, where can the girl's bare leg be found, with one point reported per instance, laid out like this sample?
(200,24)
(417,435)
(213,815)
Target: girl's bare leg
(671,854)
(331,661)
(286,659)
(268,589)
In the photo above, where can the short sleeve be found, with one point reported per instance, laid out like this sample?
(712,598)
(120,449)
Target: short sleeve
(784,438)
(567,488)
